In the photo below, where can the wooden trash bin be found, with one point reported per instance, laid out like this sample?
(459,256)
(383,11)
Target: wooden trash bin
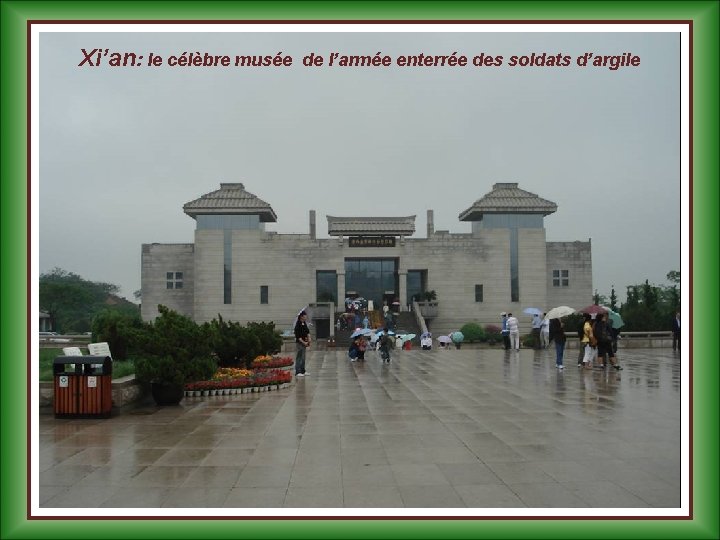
(83,386)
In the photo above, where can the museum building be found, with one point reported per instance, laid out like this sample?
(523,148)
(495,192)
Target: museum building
(237,269)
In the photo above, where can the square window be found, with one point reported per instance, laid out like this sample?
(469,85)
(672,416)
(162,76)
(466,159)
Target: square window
(178,275)
(169,276)
(178,284)
(169,285)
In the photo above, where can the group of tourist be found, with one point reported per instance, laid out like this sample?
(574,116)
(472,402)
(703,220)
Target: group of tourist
(598,338)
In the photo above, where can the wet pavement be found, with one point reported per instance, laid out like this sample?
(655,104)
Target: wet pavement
(481,428)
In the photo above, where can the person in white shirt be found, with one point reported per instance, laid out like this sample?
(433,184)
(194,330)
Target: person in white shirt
(545,332)
(536,324)
(514,329)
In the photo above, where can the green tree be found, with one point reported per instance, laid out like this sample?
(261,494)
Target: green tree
(651,307)
(72,302)
(613,299)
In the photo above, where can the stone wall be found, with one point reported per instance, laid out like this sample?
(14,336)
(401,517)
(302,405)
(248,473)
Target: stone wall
(287,264)
(156,261)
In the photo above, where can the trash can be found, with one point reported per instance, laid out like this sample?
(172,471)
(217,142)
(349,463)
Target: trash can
(83,386)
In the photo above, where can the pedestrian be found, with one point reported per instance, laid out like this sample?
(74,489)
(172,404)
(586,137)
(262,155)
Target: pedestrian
(514,332)
(581,346)
(362,347)
(384,346)
(604,342)
(589,342)
(505,332)
(353,350)
(545,332)
(366,322)
(676,331)
(614,335)
(302,342)
(557,334)
(536,324)
(426,342)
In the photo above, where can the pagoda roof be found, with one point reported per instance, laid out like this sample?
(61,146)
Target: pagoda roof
(371,226)
(230,199)
(508,198)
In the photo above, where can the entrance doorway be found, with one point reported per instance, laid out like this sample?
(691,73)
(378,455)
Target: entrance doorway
(370,278)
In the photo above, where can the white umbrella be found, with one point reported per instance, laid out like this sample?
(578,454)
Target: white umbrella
(532,311)
(361,332)
(444,339)
(560,311)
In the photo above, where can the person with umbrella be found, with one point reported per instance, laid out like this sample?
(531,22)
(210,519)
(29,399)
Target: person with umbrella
(302,342)
(514,332)
(384,345)
(604,342)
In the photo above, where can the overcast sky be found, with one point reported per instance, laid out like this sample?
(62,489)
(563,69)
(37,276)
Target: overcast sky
(122,149)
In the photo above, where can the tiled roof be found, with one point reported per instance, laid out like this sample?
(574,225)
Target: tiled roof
(507,198)
(371,226)
(230,199)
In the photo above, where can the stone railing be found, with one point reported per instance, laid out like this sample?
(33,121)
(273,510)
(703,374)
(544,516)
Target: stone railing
(429,310)
(419,317)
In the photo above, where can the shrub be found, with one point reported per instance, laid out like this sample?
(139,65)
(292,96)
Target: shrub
(116,327)
(472,332)
(528,340)
(235,345)
(270,339)
(493,333)
(176,350)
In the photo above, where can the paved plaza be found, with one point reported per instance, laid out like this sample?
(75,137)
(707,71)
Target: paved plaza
(474,428)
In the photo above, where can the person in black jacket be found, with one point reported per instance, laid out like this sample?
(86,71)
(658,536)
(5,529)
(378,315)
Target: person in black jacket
(604,341)
(676,331)
(302,342)
(557,334)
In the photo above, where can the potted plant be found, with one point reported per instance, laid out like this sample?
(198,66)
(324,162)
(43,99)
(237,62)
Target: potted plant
(175,351)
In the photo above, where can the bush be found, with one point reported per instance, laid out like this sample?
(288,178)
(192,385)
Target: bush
(528,340)
(270,339)
(176,350)
(234,345)
(116,327)
(472,332)
(493,334)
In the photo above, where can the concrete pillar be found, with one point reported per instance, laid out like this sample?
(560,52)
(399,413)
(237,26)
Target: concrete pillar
(430,223)
(402,295)
(341,291)
(313,229)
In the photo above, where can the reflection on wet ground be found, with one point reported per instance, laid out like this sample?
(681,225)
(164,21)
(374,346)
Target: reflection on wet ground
(443,429)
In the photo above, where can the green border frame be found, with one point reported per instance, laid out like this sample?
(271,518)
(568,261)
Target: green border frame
(14,294)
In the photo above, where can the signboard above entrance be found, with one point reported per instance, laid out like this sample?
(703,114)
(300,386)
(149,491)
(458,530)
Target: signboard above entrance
(371,241)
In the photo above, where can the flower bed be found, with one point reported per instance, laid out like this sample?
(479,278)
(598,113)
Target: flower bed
(272,362)
(227,381)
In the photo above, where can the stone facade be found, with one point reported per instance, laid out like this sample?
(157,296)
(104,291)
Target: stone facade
(285,265)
